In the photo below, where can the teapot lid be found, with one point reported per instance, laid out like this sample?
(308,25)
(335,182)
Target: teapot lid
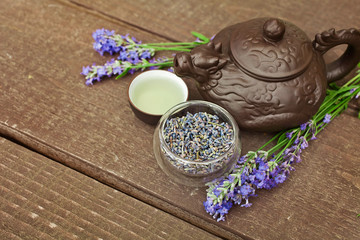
(270,49)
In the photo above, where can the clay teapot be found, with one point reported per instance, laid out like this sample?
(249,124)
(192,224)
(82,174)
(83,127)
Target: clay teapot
(267,73)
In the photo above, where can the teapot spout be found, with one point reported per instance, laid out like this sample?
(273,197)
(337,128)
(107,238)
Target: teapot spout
(183,65)
(203,63)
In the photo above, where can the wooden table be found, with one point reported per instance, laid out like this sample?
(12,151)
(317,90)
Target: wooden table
(76,163)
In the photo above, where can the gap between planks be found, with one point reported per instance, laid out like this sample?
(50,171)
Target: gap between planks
(111,180)
(111,18)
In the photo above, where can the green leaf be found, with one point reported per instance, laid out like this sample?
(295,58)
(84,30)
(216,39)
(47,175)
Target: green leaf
(272,165)
(200,36)
(221,197)
(222,189)
(282,136)
(212,195)
(334,86)
(123,73)
(226,183)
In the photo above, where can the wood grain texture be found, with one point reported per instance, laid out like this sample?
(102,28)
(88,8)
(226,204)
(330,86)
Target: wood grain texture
(176,19)
(43,199)
(45,105)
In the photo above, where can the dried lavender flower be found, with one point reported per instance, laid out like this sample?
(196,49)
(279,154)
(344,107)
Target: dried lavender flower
(198,137)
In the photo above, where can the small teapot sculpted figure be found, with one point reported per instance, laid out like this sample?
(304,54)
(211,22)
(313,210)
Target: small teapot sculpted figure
(267,73)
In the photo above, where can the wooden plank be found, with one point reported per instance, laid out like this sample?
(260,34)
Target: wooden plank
(41,198)
(176,19)
(45,105)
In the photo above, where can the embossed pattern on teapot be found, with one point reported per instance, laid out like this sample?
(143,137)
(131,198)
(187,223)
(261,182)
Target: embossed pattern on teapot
(266,72)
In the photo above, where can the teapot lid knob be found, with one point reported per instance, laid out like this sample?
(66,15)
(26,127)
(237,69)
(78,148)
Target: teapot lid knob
(273,30)
(270,49)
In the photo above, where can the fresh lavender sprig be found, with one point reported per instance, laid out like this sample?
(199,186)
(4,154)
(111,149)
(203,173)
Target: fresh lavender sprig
(108,41)
(120,68)
(132,54)
(268,169)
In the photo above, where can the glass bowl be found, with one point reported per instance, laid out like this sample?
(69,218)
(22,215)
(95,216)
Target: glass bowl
(198,172)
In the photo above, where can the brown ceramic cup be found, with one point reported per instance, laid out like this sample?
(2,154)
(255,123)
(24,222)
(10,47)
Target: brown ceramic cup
(154,92)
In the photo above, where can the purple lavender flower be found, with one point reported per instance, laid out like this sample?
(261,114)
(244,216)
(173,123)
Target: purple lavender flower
(133,57)
(218,210)
(257,173)
(236,197)
(117,70)
(245,175)
(304,144)
(223,210)
(101,71)
(263,166)
(260,175)
(146,54)
(327,118)
(85,70)
(270,183)
(123,56)
(286,167)
(104,42)
(280,178)
(100,33)
(289,134)
(108,41)
(116,67)
(246,204)
(217,192)
(242,160)
(303,126)
(245,190)
(231,178)
(313,137)
(209,206)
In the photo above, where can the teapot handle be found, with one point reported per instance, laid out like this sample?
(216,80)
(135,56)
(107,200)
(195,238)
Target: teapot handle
(344,64)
